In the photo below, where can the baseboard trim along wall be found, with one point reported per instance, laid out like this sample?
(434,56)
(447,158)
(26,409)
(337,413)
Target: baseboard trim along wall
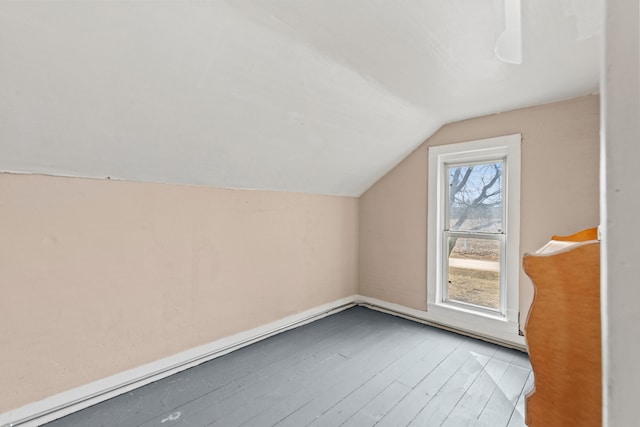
(505,340)
(65,403)
(59,405)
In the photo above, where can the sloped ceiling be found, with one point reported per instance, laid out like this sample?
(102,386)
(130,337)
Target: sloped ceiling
(317,96)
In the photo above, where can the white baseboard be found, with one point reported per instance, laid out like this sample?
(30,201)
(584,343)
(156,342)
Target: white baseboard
(507,337)
(59,405)
(65,403)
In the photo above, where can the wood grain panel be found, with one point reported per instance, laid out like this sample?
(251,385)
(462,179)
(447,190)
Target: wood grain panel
(564,337)
(580,236)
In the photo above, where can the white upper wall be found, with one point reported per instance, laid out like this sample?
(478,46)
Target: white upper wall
(620,186)
(318,96)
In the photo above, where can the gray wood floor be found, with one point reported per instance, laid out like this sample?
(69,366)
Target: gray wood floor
(355,368)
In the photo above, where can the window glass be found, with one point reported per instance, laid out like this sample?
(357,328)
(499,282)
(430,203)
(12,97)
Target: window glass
(475,197)
(474,272)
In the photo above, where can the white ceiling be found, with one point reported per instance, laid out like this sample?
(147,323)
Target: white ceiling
(318,96)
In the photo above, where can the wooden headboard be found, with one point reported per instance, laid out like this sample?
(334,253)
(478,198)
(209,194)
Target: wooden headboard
(563,332)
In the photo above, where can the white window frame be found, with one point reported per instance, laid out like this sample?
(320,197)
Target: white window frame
(503,324)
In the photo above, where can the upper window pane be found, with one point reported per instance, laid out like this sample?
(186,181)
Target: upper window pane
(475,197)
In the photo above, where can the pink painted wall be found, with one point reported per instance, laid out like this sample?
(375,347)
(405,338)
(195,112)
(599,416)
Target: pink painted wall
(559,195)
(98,277)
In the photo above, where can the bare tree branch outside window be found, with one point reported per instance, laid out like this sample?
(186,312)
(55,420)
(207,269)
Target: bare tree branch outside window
(475,198)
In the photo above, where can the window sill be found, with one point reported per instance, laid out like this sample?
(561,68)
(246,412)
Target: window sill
(476,322)
(461,308)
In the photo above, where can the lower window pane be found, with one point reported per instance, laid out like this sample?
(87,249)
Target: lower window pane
(474,272)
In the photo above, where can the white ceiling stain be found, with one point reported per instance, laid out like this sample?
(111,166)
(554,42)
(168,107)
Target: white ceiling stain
(317,96)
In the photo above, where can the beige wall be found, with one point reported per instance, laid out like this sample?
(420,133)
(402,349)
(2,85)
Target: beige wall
(559,195)
(97,277)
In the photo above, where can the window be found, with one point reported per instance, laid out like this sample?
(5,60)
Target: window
(473,257)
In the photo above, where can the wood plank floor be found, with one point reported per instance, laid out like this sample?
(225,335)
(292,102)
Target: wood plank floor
(355,368)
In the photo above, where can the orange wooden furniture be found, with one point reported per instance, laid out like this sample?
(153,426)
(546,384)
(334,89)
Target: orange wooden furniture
(563,333)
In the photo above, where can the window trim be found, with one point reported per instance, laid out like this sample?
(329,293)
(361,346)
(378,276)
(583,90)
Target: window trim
(478,321)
